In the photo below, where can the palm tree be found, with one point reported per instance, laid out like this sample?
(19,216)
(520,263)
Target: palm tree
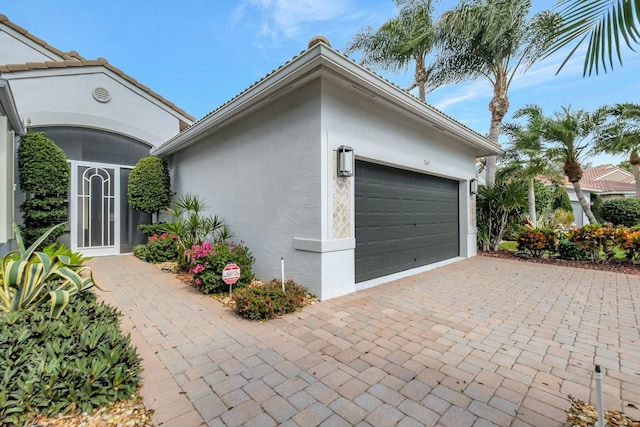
(494,40)
(622,135)
(604,22)
(570,131)
(526,151)
(399,41)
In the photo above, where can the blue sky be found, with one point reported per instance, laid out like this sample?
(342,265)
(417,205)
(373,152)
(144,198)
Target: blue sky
(201,53)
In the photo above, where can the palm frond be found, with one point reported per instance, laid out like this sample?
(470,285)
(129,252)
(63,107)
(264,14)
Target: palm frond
(604,23)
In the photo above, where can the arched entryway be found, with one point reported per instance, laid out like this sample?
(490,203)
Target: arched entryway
(101,222)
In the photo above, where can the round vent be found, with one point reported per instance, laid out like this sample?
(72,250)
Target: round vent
(101,94)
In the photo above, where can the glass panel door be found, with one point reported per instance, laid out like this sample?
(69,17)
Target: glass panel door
(96,207)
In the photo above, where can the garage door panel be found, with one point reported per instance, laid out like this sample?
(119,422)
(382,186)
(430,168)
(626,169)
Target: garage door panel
(403,220)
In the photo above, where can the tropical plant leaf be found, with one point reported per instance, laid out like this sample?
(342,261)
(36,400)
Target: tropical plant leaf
(30,277)
(605,24)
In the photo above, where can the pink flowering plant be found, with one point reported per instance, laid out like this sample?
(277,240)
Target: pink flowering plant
(208,260)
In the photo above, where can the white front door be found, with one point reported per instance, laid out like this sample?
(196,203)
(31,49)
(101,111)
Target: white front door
(95,208)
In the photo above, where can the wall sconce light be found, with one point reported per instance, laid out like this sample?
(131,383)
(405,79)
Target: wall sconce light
(473,186)
(345,161)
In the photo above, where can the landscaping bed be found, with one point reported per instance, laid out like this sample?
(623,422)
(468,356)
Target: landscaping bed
(128,413)
(616,266)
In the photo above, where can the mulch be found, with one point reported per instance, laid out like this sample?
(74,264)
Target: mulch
(615,266)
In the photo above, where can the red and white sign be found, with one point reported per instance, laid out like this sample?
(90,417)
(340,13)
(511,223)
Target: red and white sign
(231,274)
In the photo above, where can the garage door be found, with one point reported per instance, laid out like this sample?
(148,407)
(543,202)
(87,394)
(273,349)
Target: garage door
(403,220)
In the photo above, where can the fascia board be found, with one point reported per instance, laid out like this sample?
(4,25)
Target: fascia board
(321,59)
(281,80)
(90,70)
(6,97)
(386,90)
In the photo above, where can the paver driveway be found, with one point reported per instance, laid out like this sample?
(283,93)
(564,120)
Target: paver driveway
(480,342)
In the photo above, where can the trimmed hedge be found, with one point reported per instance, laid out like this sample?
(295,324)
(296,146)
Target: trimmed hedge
(149,187)
(621,212)
(44,174)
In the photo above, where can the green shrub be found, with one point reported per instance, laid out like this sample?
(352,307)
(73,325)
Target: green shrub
(596,207)
(597,240)
(151,229)
(498,206)
(159,248)
(43,174)
(208,261)
(562,201)
(544,198)
(79,360)
(149,187)
(193,228)
(563,217)
(621,211)
(537,240)
(267,301)
(569,250)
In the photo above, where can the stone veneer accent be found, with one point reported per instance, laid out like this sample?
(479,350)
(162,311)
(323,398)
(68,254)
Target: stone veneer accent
(341,203)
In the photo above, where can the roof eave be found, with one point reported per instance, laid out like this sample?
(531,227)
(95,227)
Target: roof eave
(320,58)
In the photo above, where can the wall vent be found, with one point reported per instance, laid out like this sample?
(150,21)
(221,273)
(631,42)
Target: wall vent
(101,94)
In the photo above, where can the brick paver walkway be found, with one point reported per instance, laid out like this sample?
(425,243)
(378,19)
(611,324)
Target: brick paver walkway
(481,342)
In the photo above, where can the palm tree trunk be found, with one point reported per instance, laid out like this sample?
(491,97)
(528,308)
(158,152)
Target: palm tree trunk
(636,175)
(498,107)
(586,208)
(532,204)
(421,77)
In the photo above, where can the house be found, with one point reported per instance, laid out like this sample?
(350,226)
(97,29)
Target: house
(350,179)
(102,118)
(608,181)
(10,130)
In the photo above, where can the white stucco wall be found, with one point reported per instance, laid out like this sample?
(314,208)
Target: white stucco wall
(262,174)
(381,134)
(580,218)
(270,174)
(66,99)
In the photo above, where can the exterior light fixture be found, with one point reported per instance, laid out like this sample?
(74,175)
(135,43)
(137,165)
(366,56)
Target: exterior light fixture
(473,186)
(345,161)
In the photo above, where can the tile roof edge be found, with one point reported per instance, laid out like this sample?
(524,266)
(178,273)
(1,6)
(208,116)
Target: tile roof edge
(75,56)
(168,146)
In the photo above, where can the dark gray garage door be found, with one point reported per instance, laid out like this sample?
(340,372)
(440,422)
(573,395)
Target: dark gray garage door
(403,220)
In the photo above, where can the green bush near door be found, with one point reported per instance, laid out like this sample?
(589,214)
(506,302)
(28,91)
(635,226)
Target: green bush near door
(43,174)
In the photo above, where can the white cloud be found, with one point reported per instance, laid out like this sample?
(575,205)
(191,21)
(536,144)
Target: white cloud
(287,17)
(463,92)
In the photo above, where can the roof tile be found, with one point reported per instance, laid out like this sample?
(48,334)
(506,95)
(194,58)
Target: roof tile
(595,178)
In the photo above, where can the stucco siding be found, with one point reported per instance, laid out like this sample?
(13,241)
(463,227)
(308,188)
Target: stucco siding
(262,174)
(380,133)
(386,135)
(67,99)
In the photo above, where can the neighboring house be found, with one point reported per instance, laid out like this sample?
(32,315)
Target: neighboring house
(608,181)
(103,119)
(10,129)
(267,161)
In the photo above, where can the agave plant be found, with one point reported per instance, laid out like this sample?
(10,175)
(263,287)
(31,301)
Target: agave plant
(30,278)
